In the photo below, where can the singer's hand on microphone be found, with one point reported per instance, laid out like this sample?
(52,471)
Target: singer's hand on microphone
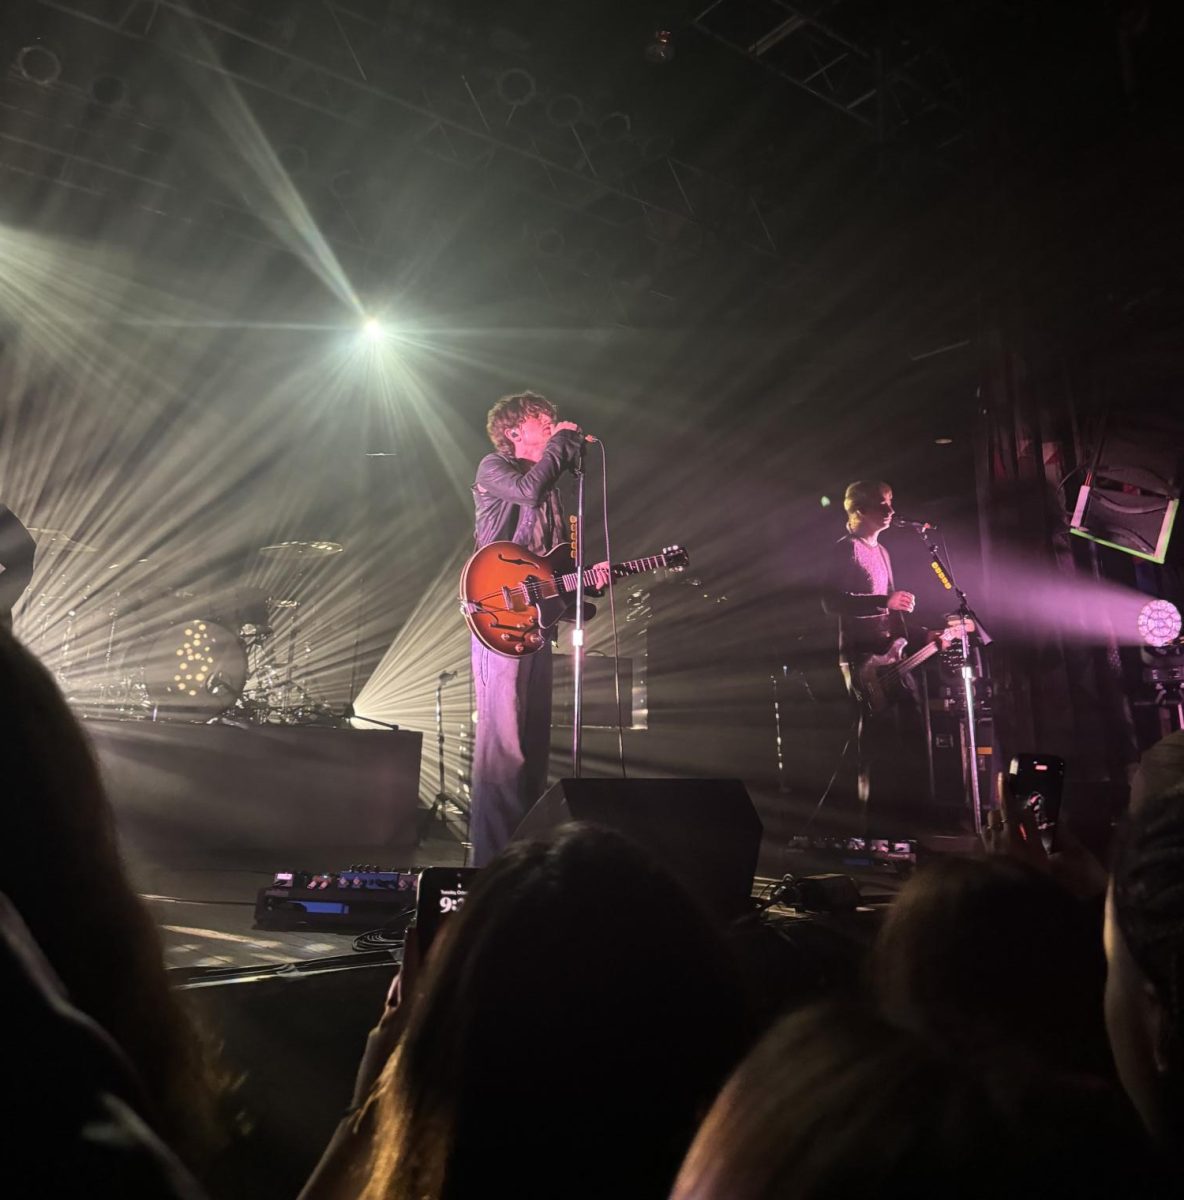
(902,602)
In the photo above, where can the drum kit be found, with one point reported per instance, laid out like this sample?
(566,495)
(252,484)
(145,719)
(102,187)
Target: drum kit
(130,648)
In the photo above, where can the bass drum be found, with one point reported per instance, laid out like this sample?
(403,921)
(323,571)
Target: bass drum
(195,669)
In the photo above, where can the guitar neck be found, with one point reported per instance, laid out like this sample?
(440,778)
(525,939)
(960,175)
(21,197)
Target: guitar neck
(635,566)
(915,660)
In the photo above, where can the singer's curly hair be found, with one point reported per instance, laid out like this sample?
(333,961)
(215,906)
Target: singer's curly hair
(862,493)
(510,411)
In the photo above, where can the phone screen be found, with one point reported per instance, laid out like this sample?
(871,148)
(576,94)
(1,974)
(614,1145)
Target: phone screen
(441,892)
(1036,781)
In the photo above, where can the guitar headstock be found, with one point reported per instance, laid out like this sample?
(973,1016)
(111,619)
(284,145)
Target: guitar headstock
(954,629)
(676,558)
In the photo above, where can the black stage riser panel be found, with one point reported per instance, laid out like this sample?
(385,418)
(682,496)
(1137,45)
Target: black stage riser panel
(706,832)
(179,787)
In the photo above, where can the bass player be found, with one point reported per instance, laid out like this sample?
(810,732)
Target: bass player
(860,592)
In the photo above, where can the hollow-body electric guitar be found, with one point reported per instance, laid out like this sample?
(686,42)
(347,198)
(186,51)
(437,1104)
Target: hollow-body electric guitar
(879,678)
(512,598)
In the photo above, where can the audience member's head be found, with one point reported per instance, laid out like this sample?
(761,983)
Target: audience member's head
(834,1101)
(837,1101)
(573,1025)
(1145,954)
(1160,769)
(990,955)
(60,867)
(73,1118)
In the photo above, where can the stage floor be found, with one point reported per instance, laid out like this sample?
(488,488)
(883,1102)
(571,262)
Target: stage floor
(206,911)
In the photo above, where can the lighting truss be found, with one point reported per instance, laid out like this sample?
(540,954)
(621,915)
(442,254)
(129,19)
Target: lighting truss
(351,71)
(907,89)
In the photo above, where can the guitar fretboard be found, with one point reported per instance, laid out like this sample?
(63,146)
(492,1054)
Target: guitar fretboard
(635,566)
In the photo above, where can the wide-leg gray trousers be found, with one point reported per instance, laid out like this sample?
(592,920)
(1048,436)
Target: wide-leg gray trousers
(512,745)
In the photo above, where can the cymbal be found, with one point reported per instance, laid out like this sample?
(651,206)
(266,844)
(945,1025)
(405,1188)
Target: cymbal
(301,549)
(58,541)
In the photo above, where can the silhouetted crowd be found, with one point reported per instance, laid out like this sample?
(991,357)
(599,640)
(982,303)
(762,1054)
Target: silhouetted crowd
(583,1029)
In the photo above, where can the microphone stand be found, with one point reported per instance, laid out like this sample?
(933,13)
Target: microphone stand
(969,717)
(442,798)
(577,636)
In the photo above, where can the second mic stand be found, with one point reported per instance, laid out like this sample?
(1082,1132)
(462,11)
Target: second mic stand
(443,798)
(969,716)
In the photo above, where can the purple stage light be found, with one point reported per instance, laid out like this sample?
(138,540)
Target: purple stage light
(1159,623)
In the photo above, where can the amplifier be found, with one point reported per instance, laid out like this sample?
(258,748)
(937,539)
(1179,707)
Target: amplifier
(357,897)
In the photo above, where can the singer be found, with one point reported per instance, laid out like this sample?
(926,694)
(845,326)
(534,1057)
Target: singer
(860,592)
(516,500)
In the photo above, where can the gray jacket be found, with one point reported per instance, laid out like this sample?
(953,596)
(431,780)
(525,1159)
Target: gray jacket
(518,502)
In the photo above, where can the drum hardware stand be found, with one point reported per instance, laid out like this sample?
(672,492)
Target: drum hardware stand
(65,659)
(782,786)
(778,677)
(348,715)
(291,652)
(443,799)
(968,715)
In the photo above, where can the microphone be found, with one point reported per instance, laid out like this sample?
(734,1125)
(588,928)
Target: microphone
(445,676)
(919,526)
(588,437)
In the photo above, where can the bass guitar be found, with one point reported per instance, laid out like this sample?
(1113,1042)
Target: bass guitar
(878,680)
(512,598)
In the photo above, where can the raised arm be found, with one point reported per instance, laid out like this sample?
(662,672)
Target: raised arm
(497,477)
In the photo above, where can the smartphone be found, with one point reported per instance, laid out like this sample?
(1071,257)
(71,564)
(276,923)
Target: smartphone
(1036,781)
(441,891)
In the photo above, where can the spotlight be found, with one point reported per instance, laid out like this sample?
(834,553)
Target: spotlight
(660,49)
(109,90)
(516,87)
(825,501)
(372,329)
(1159,623)
(565,110)
(39,64)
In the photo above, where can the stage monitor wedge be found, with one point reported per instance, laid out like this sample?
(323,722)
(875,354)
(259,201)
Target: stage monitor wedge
(706,832)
